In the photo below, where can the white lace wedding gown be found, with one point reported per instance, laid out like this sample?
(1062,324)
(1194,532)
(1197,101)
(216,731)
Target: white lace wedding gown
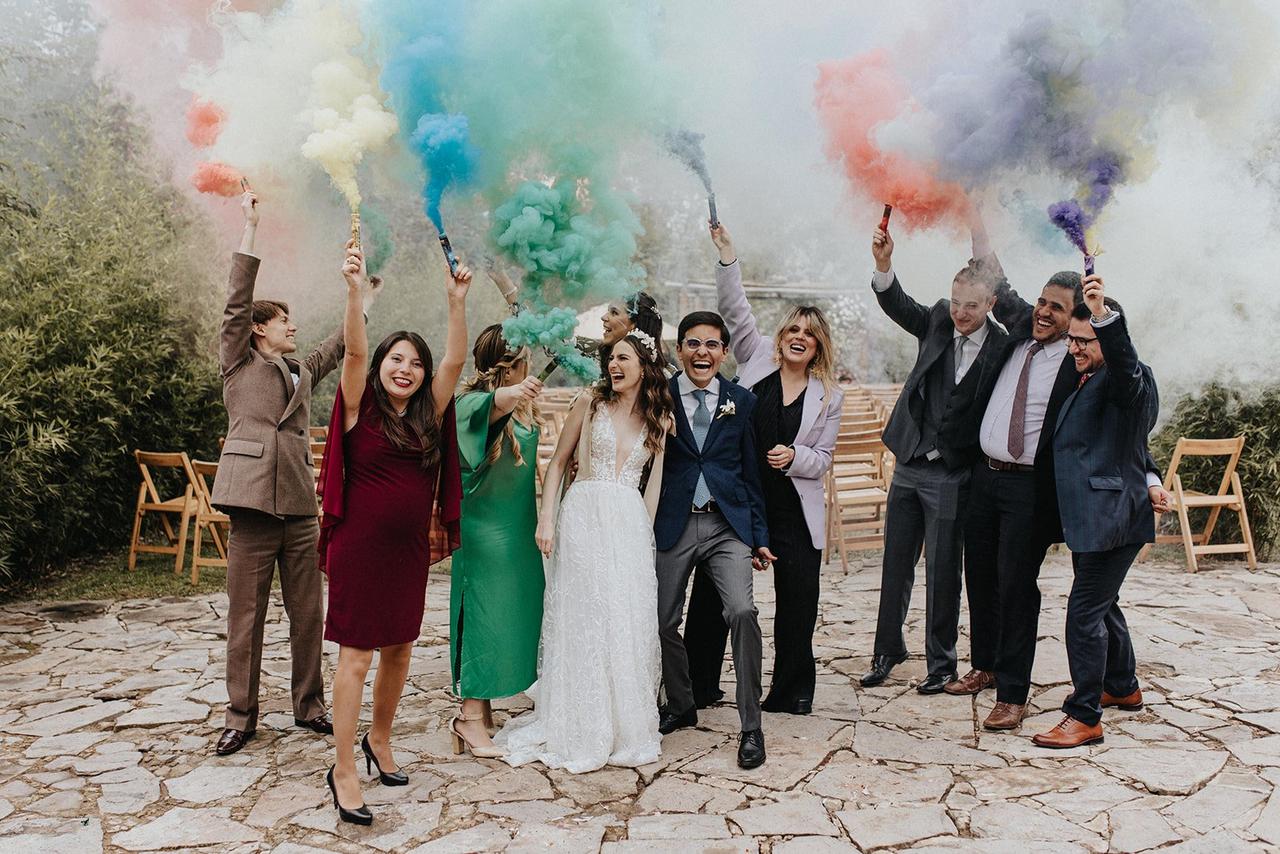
(599,664)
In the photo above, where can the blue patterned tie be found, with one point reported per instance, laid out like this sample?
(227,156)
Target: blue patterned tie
(701,425)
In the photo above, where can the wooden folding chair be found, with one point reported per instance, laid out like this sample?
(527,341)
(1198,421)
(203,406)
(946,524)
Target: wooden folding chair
(217,523)
(1229,496)
(149,501)
(857,497)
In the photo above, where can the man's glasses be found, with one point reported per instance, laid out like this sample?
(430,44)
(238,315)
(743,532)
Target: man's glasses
(711,344)
(1080,342)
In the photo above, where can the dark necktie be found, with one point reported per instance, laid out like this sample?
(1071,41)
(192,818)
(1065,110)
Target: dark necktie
(1084,378)
(701,425)
(1018,418)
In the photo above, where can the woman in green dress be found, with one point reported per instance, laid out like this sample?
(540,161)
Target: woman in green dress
(495,613)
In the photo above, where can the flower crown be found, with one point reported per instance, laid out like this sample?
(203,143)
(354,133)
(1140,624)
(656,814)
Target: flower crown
(647,340)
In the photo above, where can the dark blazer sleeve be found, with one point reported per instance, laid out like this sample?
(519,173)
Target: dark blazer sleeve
(237,317)
(903,310)
(1012,310)
(751,476)
(1128,385)
(326,357)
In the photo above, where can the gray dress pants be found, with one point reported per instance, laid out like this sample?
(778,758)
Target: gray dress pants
(709,540)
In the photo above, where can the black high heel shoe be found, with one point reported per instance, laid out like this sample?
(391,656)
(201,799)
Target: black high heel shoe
(387,778)
(360,815)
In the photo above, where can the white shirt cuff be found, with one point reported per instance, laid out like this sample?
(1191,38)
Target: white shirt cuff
(1153,479)
(1106,321)
(881,282)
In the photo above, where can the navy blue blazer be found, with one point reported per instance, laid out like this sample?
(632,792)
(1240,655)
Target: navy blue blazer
(727,461)
(1100,450)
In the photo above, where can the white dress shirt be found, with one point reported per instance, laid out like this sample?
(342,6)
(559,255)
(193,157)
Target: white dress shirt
(966,354)
(994,434)
(690,402)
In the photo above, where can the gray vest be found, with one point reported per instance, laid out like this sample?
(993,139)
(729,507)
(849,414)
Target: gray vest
(936,388)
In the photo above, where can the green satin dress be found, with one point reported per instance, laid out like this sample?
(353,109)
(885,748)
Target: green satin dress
(495,607)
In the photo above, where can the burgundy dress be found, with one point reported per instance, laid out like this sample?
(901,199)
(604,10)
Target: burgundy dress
(386,520)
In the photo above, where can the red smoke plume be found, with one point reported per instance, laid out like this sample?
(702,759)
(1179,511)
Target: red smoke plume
(204,122)
(853,96)
(216,178)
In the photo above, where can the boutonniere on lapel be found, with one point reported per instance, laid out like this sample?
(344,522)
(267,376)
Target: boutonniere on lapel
(727,408)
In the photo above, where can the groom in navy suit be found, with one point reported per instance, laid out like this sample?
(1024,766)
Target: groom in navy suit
(711,512)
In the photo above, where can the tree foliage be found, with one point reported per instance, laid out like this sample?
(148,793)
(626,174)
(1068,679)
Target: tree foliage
(105,306)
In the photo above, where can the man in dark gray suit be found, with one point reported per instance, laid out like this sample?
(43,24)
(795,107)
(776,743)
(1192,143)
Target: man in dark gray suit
(1100,467)
(933,433)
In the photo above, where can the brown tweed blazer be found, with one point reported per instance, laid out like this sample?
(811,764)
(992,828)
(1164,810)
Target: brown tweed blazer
(266,463)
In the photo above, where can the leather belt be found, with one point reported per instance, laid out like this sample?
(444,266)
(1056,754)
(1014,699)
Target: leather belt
(1001,465)
(709,508)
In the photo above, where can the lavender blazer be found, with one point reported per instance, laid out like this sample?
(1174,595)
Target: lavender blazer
(820,420)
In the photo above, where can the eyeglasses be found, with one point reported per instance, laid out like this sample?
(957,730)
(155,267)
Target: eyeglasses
(1080,342)
(711,344)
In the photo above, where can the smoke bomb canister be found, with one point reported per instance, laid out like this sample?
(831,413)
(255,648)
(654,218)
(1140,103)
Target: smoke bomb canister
(884,219)
(711,208)
(355,227)
(1088,265)
(448,253)
(548,370)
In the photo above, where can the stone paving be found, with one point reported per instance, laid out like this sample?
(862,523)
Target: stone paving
(109,712)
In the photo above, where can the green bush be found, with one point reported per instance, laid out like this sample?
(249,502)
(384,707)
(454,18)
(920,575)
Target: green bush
(1219,412)
(105,307)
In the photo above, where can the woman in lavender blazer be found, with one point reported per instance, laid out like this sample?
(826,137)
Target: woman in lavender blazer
(797,417)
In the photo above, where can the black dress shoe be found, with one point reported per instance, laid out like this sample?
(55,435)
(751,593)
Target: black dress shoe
(934,683)
(320,723)
(702,701)
(232,740)
(669,721)
(359,815)
(880,667)
(751,749)
(386,778)
(787,707)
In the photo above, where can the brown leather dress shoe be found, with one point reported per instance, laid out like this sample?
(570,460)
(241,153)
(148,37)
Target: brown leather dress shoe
(321,723)
(1069,733)
(1005,716)
(971,683)
(1129,702)
(232,740)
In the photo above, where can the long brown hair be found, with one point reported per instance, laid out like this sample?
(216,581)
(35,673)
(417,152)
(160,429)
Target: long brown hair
(494,361)
(419,427)
(654,399)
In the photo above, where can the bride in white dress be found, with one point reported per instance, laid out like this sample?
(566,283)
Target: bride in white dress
(599,665)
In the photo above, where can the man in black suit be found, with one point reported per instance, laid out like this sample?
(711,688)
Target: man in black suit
(1013,515)
(1101,463)
(933,433)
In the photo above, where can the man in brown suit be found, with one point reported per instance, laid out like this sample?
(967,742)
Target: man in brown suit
(266,483)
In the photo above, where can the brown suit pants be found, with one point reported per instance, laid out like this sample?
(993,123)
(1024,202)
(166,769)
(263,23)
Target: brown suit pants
(258,543)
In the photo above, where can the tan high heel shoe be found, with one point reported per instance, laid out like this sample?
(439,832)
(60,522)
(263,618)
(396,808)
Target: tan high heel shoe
(460,742)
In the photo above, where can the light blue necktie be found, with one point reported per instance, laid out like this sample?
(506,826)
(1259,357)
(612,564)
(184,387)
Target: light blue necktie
(701,425)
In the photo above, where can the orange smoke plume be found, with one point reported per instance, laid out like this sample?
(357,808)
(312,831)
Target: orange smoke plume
(854,96)
(204,122)
(216,178)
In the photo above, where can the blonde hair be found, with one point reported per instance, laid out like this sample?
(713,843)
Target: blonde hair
(494,361)
(823,365)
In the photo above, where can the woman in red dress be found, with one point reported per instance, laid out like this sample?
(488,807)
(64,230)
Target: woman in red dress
(391,492)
